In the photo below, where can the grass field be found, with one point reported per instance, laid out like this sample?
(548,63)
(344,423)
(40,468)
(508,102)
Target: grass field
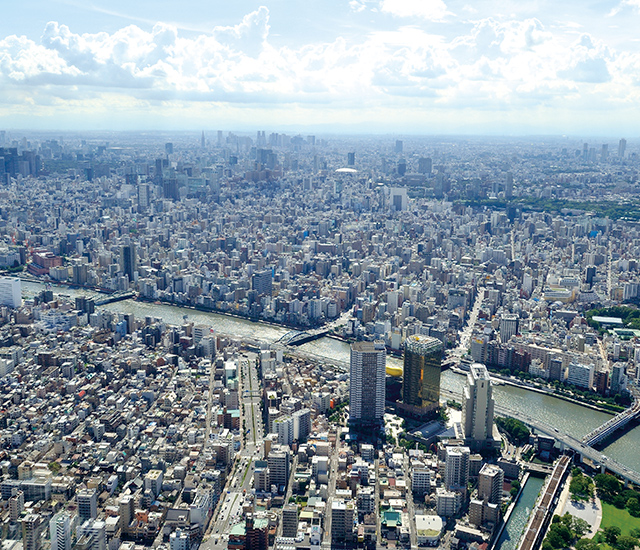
(620,518)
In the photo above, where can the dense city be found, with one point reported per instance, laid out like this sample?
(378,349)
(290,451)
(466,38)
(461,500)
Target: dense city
(219,340)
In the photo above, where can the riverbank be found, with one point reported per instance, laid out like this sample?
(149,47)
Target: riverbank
(519,384)
(510,509)
(516,522)
(204,309)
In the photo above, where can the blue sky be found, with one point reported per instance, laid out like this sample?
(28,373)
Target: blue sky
(408,66)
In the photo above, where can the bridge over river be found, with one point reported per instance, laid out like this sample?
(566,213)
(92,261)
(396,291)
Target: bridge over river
(570,442)
(616,423)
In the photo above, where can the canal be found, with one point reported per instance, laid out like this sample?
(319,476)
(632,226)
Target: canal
(520,516)
(568,417)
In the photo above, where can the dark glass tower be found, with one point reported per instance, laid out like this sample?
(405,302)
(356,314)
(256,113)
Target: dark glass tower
(421,377)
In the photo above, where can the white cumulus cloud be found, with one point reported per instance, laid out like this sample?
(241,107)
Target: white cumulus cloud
(507,65)
(433,10)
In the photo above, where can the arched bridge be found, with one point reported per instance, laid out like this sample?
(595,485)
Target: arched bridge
(298,337)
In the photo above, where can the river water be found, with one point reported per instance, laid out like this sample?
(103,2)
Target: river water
(567,417)
(520,516)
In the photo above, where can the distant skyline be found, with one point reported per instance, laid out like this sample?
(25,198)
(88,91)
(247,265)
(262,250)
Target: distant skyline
(406,66)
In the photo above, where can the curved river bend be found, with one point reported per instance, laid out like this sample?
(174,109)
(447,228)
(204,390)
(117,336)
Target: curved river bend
(567,417)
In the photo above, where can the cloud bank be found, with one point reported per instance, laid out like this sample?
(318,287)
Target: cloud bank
(517,66)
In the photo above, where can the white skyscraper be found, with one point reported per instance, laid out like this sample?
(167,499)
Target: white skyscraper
(477,411)
(456,468)
(367,383)
(60,531)
(10,292)
(508,326)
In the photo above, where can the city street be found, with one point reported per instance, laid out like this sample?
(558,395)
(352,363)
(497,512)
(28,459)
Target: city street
(240,481)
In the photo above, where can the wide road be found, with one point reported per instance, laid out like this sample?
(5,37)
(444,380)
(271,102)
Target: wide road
(465,336)
(229,509)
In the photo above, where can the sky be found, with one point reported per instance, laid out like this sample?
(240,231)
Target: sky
(354,66)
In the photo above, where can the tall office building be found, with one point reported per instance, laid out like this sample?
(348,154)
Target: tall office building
(402,167)
(262,282)
(456,468)
(425,165)
(31,532)
(341,520)
(508,186)
(367,383)
(490,482)
(351,159)
(60,531)
(399,147)
(283,426)
(279,461)
(508,326)
(398,198)
(87,504)
(477,409)
(10,292)
(421,378)
(290,520)
(128,260)
(144,197)
(261,476)
(80,274)
(622,146)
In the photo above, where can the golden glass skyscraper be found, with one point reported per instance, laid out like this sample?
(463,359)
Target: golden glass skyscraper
(421,377)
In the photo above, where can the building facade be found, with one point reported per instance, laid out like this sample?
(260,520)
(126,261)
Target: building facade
(421,375)
(367,383)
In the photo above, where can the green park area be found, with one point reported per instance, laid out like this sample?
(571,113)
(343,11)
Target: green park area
(621,518)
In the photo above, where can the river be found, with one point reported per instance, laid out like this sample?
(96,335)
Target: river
(520,516)
(568,417)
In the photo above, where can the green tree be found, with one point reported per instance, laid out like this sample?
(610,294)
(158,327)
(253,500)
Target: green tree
(608,486)
(554,539)
(633,506)
(626,542)
(611,534)
(586,544)
(580,526)
(515,429)
(581,487)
